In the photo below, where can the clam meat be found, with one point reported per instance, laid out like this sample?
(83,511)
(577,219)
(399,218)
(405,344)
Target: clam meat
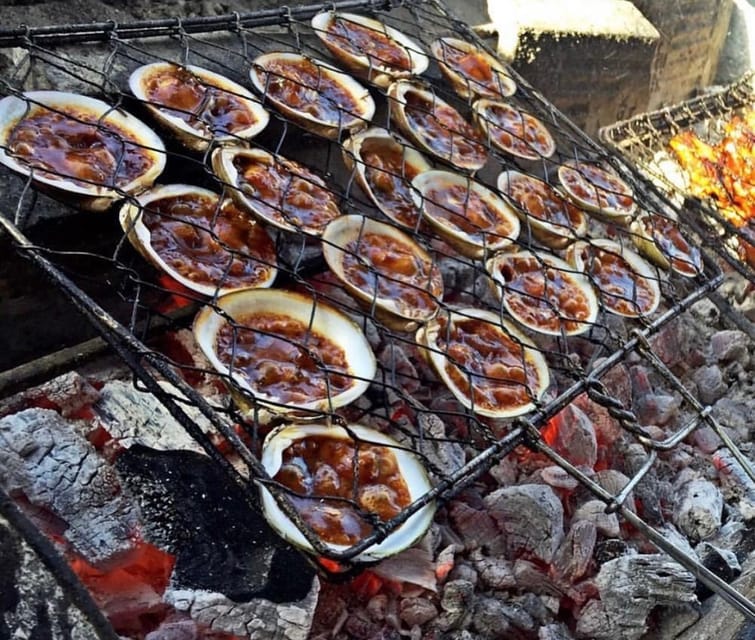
(514,131)
(661,241)
(598,190)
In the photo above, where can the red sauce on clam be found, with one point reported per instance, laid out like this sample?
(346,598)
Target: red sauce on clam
(365,477)
(80,146)
(477,69)
(360,40)
(539,200)
(597,187)
(208,244)
(517,132)
(283,358)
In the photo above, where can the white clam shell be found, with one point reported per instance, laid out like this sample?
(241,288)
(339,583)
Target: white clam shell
(139,235)
(314,314)
(429,334)
(662,245)
(501,85)
(551,308)
(615,214)
(551,234)
(412,470)
(485,111)
(92,197)
(394,313)
(191,136)
(398,93)
(223,164)
(413,162)
(639,269)
(370,68)
(465,243)
(330,128)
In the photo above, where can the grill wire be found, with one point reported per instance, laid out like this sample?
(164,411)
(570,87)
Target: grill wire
(228,45)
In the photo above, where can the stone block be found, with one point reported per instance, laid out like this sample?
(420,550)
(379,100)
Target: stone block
(592,59)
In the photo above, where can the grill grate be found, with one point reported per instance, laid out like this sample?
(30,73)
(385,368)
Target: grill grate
(55,58)
(644,139)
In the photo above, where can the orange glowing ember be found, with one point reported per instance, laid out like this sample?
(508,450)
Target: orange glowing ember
(725,173)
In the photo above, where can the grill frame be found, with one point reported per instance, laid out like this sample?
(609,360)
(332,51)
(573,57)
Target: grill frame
(147,365)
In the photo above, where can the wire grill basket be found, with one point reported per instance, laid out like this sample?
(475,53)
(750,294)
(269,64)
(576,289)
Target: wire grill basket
(406,397)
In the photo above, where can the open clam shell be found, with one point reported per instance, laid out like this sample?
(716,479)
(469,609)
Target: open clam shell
(435,126)
(389,477)
(313,93)
(369,48)
(491,367)
(626,284)
(41,135)
(384,269)
(543,292)
(289,351)
(513,131)
(469,216)
(196,105)
(545,213)
(205,244)
(278,191)
(472,71)
(661,241)
(384,168)
(598,190)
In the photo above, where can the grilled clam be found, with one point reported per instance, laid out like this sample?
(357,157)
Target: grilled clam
(370,49)
(469,216)
(598,190)
(197,105)
(513,131)
(490,366)
(314,94)
(81,149)
(384,168)
(201,241)
(289,351)
(471,70)
(277,191)
(626,283)
(435,126)
(545,213)
(324,467)
(544,293)
(660,240)
(384,269)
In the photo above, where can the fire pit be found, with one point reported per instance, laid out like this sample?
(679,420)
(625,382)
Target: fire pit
(556,470)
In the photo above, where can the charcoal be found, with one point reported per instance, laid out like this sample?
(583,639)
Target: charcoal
(670,622)
(175,630)
(735,482)
(464,571)
(722,562)
(69,393)
(222,545)
(489,618)
(255,619)
(594,511)
(651,407)
(647,491)
(477,528)
(417,611)
(531,516)
(442,454)
(630,588)
(575,553)
(494,572)
(698,508)
(529,577)
(730,346)
(710,384)
(457,603)
(43,458)
(675,537)
(557,477)
(32,604)
(414,566)
(575,437)
(554,632)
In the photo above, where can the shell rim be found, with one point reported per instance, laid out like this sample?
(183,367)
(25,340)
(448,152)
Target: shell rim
(609,213)
(481,108)
(404,536)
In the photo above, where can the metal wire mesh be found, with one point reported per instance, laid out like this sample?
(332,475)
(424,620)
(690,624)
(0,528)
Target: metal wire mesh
(645,139)
(405,397)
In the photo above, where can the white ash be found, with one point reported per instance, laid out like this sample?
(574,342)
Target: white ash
(698,509)
(69,392)
(257,619)
(531,516)
(42,457)
(594,511)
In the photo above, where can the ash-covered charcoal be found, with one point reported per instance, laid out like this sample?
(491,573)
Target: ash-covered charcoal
(414,566)
(476,527)
(495,572)
(131,416)
(575,554)
(572,434)
(630,588)
(256,618)
(735,483)
(698,509)
(652,407)
(722,562)
(32,604)
(191,508)
(594,511)
(531,516)
(46,461)
(69,394)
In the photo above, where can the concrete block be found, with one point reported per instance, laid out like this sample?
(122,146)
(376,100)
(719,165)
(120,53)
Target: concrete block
(693,33)
(592,59)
